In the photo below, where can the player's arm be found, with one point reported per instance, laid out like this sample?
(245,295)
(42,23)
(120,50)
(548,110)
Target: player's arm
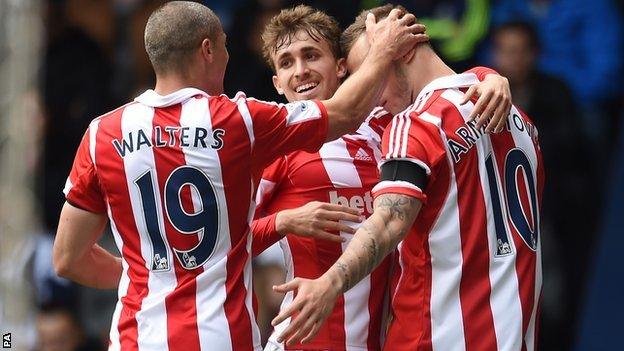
(390,39)
(393,216)
(313,220)
(76,254)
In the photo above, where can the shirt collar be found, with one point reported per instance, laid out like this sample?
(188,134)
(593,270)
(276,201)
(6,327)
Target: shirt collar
(462,80)
(153,99)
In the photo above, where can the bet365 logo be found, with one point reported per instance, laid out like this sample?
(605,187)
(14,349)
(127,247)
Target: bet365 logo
(6,341)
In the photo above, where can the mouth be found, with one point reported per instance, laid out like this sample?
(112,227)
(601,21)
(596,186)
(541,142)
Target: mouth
(305,88)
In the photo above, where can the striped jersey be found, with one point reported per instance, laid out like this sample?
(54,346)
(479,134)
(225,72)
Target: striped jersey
(468,274)
(176,176)
(343,172)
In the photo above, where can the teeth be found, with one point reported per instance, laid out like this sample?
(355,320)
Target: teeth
(305,87)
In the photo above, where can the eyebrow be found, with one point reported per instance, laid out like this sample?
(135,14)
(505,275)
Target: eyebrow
(304,49)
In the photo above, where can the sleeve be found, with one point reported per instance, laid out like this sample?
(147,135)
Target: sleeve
(482,72)
(415,139)
(263,234)
(82,188)
(263,231)
(283,128)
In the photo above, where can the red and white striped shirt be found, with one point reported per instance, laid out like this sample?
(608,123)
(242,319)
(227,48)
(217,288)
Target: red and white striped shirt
(177,175)
(469,271)
(342,172)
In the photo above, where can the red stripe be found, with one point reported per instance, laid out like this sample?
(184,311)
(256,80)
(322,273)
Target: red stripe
(474,287)
(182,333)
(411,303)
(327,254)
(378,282)
(525,257)
(311,258)
(369,174)
(113,175)
(237,193)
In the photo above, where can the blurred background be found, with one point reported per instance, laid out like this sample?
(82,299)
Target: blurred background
(64,62)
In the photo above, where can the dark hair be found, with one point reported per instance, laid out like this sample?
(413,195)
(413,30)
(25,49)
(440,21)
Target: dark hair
(283,27)
(521,26)
(174,30)
(358,27)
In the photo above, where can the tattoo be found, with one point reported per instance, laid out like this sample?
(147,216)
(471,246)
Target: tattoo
(398,205)
(371,246)
(343,269)
(376,237)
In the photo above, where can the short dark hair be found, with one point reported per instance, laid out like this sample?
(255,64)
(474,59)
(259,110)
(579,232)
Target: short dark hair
(358,27)
(282,28)
(522,26)
(174,30)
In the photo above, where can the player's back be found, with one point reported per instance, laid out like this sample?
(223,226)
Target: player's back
(470,273)
(175,174)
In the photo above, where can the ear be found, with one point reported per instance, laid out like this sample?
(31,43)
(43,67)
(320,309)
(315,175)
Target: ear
(341,68)
(206,50)
(277,85)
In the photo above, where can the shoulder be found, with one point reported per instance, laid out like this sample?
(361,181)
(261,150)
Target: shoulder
(116,113)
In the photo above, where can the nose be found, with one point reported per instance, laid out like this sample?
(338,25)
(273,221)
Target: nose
(301,69)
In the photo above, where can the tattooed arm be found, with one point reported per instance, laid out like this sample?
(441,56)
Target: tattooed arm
(379,235)
(393,217)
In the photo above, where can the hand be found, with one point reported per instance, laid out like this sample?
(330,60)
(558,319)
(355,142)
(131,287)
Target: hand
(394,36)
(316,220)
(494,103)
(314,302)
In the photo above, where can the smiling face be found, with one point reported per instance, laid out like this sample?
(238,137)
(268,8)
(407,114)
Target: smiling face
(396,94)
(307,69)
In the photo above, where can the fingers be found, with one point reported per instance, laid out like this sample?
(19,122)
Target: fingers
(340,208)
(493,104)
(295,324)
(420,38)
(304,330)
(504,117)
(480,106)
(288,311)
(500,115)
(336,226)
(416,28)
(370,21)
(289,286)
(407,19)
(341,216)
(323,235)
(312,333)
(467,96)
(394,14)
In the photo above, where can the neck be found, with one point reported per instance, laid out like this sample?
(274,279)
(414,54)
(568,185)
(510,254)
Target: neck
(172,82)
(425,67)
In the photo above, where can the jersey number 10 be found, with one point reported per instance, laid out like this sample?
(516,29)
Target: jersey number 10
(515,161)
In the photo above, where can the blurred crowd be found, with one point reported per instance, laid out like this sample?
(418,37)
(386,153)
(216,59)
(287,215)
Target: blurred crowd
(563,59)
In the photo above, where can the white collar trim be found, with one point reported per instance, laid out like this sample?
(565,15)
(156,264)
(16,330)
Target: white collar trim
(463,80)
(153,99)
